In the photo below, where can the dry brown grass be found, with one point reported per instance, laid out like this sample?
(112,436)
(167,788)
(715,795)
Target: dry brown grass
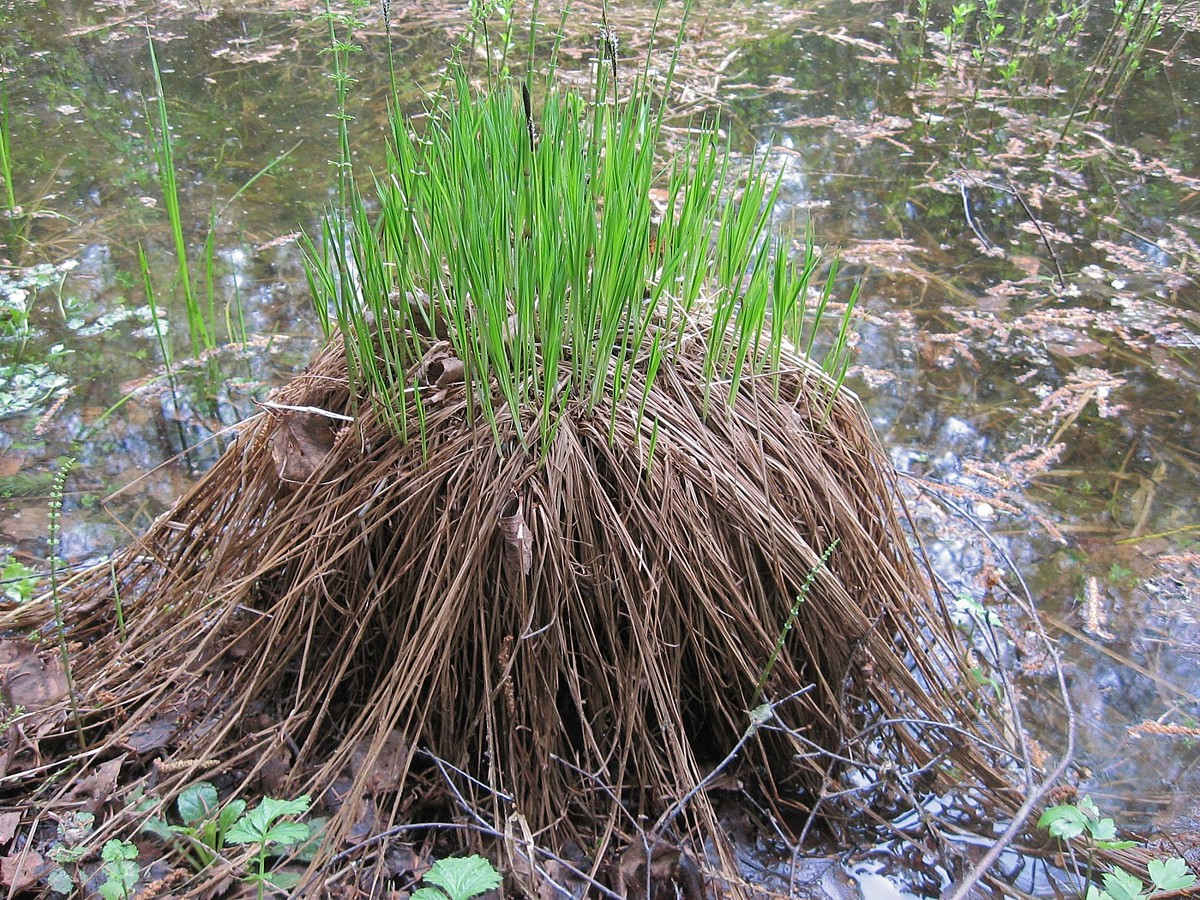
(579,634)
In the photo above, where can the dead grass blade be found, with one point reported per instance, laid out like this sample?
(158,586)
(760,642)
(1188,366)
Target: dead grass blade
(374,604)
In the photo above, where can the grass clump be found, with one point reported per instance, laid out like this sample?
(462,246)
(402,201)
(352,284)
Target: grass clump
(569,491)
(557,258)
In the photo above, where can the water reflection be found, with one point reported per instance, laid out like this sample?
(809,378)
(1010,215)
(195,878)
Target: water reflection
(974,354)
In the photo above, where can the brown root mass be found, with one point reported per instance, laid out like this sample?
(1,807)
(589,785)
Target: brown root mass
(580,636)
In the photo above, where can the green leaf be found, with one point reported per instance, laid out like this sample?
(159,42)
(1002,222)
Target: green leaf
(1170,874)
(286,833)
(120,872)
(116,851)
(255,826)
(1103,829)
(197,803)
(1120,885)
(159,828)
(276,808)
(1064,822)
(428,893)
(1116,845)
(284,879)
(307,852)
(244,831)
(1088,808)
(59,881)
(115,889)
(463,877)
(230,813)
(19,581)
(67,855)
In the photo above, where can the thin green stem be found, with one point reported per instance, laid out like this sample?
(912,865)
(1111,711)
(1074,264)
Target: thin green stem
(529,245)
(57,490)
(10,197)
(164,153)
(801,595)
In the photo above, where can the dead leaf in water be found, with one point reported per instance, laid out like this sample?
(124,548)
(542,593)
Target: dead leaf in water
(403,861)
(667,864)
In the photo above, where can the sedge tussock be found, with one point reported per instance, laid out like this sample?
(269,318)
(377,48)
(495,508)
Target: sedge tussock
(540,512)
(381,596)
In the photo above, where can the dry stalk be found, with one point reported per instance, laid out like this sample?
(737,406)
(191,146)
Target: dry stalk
(370,607)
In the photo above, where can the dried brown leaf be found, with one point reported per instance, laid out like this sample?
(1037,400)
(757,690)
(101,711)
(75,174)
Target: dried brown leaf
(299,444)
(28,678)
(9,823)
(388,763)
(152,735)
(96,789)
(21,871)
(518,541)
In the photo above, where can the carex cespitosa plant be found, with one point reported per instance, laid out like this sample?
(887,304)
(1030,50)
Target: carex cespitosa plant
(527,236)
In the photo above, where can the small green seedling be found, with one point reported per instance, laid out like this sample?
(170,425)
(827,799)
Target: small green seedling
(970,611)
(459,878)
(1082,822)
(1167,875)
(202,835)
(119,866)
(208,827)
(18,581)
(74,828)
(1071,821)
(120,870)
(265,828)
(1170,874)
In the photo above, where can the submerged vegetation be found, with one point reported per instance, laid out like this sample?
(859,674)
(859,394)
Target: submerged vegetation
(983,55)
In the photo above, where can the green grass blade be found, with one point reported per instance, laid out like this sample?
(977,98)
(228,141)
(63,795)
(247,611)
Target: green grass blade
(164,155)
(10,197)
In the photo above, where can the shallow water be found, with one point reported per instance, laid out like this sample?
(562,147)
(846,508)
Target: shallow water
(1061,416)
